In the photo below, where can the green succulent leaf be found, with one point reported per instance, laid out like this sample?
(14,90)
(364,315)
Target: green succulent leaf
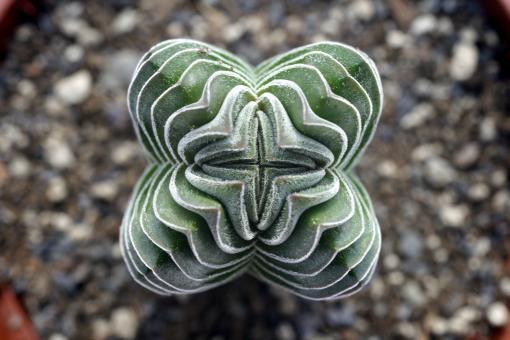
(251,170)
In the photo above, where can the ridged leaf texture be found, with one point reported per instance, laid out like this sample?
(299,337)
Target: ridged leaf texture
(251,169)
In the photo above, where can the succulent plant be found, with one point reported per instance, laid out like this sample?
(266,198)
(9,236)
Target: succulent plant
(250,169)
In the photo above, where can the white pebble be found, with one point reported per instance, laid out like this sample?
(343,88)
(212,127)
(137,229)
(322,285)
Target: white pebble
(423,24)
(453,215)
(497,314)
(124,322)
(74,89)
(439,172)
(58,153)
(397,39)
(417,116)
(126,21)
(56,190)
(464,61)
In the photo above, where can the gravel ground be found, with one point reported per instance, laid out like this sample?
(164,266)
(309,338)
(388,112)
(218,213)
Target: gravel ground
(437,170)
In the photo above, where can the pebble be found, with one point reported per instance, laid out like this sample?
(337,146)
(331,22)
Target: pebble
(75,88)
(391,261)
(387,168)
(425,151)
(439,172)
(397,39)
(81,30)
(467,156)
(504,286)
(361,9)
(411,244)
(423,24)
(20,167)
(438,325)
(118,69)
(74,53)
(488,130)
(126,21)
(498,178)
(101,329)
(125,152)
(342,316)
(57,336)
(284,331)
(57,189)
(414,294)
(464,61)
(106,189)
(124,323)
(501,200)
(453,215)
(58,153)
(497,314)
(12,136)
(417,116)
(462,320)
(479,192)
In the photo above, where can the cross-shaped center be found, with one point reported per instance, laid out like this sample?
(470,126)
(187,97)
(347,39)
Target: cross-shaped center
(260,162)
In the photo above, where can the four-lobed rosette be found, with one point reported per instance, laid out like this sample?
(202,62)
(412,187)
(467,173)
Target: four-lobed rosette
(251,169)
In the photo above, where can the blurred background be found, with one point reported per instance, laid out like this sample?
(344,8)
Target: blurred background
(437,169)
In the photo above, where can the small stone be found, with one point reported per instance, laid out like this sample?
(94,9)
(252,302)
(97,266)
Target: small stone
(362,9)
(118,69)
(54,106)
(479,192)
(106,189)
(426,151)
(467,156)
(462,320)
(341,316)
(411,244)
(101,329)
(438,172)
(387,168)
(233,32)
(438,325)
(79,232)
(124,323)
(57,336)
(414,294)
(417,116)
(126,21)
(391,261)
(125,152)
(488,130)
(27,89)
(75,88)
(504,286)
(397,39)
(423,24)
(501,200)
(396,278)
(497,314)
(89,36)
(56,190)
(74,53)
(453,215)
(284,331)
(20,167)
(498,178)
(12,136)
(59,221)
(58,153)
(464,61)
(175,30)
